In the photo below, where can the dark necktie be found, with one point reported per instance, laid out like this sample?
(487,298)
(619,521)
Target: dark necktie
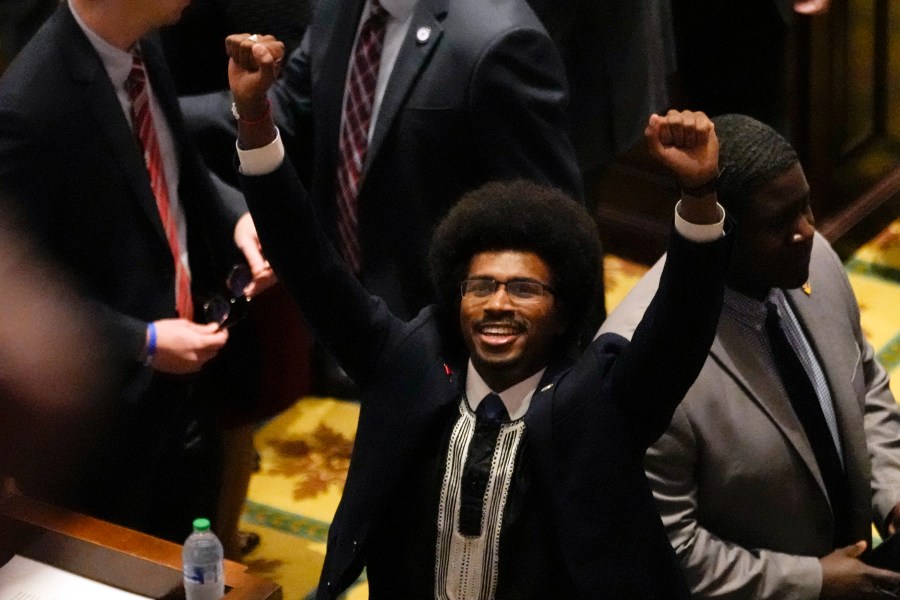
(805,403)
(136,87)
(489,416)
(354,138)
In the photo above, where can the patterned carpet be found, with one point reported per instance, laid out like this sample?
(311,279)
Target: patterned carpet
(305,450)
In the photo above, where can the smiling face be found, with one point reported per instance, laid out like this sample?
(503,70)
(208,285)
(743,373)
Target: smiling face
(509,340)
(774,237)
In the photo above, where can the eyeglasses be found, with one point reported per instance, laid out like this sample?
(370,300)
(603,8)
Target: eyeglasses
(228,312)
(522,291)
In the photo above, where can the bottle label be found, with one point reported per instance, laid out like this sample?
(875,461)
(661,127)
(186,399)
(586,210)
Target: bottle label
(203,573)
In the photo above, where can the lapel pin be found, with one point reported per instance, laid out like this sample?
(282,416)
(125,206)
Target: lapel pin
(807,289)
(546,387)
(422,34)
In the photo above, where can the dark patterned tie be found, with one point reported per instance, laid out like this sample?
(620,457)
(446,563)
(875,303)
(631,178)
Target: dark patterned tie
(489,416)
(354,139)
(805,403)
(136,86)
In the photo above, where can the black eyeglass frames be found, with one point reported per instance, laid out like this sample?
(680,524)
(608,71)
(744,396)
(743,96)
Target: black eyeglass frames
(519,290)
(229,311)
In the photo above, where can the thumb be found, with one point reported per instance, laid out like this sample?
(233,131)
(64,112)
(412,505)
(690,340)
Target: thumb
(255,259)
(206,328)
(854,550)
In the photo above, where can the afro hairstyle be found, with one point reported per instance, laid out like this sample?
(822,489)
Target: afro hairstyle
(522,216)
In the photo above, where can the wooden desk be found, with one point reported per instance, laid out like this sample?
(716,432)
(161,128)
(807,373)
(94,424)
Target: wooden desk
(107,553)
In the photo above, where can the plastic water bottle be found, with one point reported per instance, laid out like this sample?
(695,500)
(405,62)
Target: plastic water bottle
(203,566)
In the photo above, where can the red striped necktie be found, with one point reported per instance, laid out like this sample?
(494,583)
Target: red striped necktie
(354,140)
(136,86)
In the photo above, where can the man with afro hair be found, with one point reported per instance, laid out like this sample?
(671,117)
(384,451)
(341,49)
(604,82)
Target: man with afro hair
(768,491)
(488,463)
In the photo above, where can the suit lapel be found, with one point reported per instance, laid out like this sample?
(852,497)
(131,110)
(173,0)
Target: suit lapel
(425,31)
(539,423)
(829,339)
(762,387)
(99,95)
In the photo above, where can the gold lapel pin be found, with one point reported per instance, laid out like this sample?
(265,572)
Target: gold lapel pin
(807,289)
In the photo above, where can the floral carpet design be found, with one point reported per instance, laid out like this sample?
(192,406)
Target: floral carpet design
(316,462)
(305,451)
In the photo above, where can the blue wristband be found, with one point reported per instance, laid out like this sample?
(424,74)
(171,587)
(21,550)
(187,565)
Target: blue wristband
(151,344)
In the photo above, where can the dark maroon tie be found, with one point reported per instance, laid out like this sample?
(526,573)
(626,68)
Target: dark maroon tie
(354,140)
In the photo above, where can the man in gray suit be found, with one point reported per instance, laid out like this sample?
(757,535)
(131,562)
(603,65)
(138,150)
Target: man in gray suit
(764,495)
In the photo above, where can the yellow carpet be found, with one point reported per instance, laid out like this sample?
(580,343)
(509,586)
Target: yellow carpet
(305,450)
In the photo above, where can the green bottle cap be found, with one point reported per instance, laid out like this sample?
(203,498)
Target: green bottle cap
(201,525)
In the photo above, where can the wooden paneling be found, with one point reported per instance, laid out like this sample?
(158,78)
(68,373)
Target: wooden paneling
(845,114)
(847,110)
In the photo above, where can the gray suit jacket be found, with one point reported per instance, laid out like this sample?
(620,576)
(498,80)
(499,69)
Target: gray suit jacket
(735,477)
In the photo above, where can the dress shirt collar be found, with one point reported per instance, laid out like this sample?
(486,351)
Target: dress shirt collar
(749,311)
(116,62)
(516,399)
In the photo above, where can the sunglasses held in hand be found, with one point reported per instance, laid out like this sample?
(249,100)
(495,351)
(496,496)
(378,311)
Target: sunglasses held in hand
(229,311)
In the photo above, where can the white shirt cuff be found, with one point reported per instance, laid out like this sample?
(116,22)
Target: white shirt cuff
(261,161)
(700,233)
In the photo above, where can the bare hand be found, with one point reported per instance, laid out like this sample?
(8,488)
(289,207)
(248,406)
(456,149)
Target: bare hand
(686,143)
(811,7)
(845,577)
(183,346)
(247,240)
(253,68)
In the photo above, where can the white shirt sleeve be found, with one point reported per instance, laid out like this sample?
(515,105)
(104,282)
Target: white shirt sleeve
(261,161)
(700,233)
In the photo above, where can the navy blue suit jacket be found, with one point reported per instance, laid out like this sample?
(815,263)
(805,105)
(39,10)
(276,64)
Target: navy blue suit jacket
(589,423)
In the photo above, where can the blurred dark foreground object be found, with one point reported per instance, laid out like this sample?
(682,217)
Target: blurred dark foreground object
(56,367)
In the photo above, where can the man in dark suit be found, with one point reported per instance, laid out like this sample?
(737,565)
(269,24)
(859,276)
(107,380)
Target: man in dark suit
(94,153)
(466,92)
(487,464)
